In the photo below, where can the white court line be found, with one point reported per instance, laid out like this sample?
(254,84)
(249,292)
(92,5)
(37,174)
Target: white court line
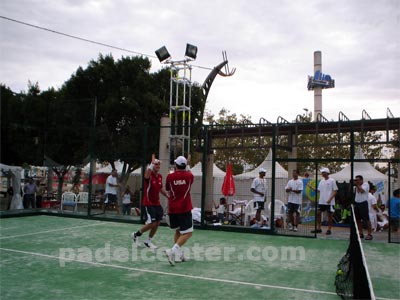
(8,228)
(171,274)
(176,274)
(47,231)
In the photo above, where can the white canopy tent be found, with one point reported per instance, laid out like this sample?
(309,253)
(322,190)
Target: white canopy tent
(15,176)
(267,165)
(107,169)
(217,172)
(360,168)
(366,170)
(243,181)
(218,179)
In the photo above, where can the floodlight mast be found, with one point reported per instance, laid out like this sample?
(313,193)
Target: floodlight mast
(180,100)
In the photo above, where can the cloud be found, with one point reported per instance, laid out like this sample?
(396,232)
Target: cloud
(270,43)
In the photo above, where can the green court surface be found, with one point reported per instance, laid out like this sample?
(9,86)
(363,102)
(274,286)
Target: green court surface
(45,257)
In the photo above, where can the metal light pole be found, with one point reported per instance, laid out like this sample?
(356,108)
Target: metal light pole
(180,100)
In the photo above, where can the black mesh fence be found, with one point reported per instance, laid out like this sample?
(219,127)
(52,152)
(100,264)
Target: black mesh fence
(76,155)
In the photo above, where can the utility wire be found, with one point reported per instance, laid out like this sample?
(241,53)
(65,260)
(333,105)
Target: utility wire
(86,40)
(76,37)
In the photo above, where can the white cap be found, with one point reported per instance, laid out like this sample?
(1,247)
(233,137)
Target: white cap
(325,170)
(262,170)
(181,161)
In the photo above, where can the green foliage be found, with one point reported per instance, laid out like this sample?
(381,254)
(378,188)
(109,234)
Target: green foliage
(58,123)
(249,151)
(240,152)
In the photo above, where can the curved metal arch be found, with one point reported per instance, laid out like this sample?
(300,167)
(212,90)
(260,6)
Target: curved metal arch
(205,88)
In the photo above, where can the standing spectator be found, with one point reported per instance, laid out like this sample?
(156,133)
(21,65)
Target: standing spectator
(111,190)
(394,210)
(259,188)
(126,201)
(361,206)
(178,184)
(294,188)
(372,207)
(30,190)
(327,189)
(221,209)
(151,202)
(39,193)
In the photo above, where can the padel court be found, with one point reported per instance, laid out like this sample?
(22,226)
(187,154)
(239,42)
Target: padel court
(47,257)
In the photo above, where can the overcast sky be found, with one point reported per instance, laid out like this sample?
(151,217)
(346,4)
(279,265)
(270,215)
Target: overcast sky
(270,43)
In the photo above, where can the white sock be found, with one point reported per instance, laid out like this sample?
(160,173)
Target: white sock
(175,248)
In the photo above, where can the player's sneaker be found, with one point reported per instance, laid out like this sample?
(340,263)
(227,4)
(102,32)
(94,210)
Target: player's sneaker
(183,258)
(290,227)
(180,257)
(135,239)
(150,245)
(295,228)
(170,257)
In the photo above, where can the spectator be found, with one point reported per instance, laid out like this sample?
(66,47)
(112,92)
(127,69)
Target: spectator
(40,193)
(262,224)
(383,219)
(394,210)
(294,188)
(221,209)
(111,191)
(30,190)
(126,201)
(361,206)
(372,207)
(259,188)
(327,189)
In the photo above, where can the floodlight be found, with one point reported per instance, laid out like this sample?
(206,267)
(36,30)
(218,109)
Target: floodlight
(191,51)
(163,54)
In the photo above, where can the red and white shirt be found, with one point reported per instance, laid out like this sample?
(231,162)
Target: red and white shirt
(179,184)
(152,188)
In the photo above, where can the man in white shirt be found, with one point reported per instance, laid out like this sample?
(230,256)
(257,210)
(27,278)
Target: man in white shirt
(372,207)
(111,190)
(259,188)
(327,189)
(294,189)
(361,206)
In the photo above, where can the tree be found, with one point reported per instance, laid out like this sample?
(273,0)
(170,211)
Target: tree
(130,103)
(334,145)
(54,126)
(22,125)
(251,151)
(240,151)
(10,114)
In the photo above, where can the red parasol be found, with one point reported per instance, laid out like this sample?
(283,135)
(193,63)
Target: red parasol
(99,178)
(228,186)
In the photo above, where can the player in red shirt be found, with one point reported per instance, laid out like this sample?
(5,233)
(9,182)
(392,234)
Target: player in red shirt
(178,184)
(151,202)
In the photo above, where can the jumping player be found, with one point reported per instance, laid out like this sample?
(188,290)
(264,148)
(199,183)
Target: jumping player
(178,184)
(151,202)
